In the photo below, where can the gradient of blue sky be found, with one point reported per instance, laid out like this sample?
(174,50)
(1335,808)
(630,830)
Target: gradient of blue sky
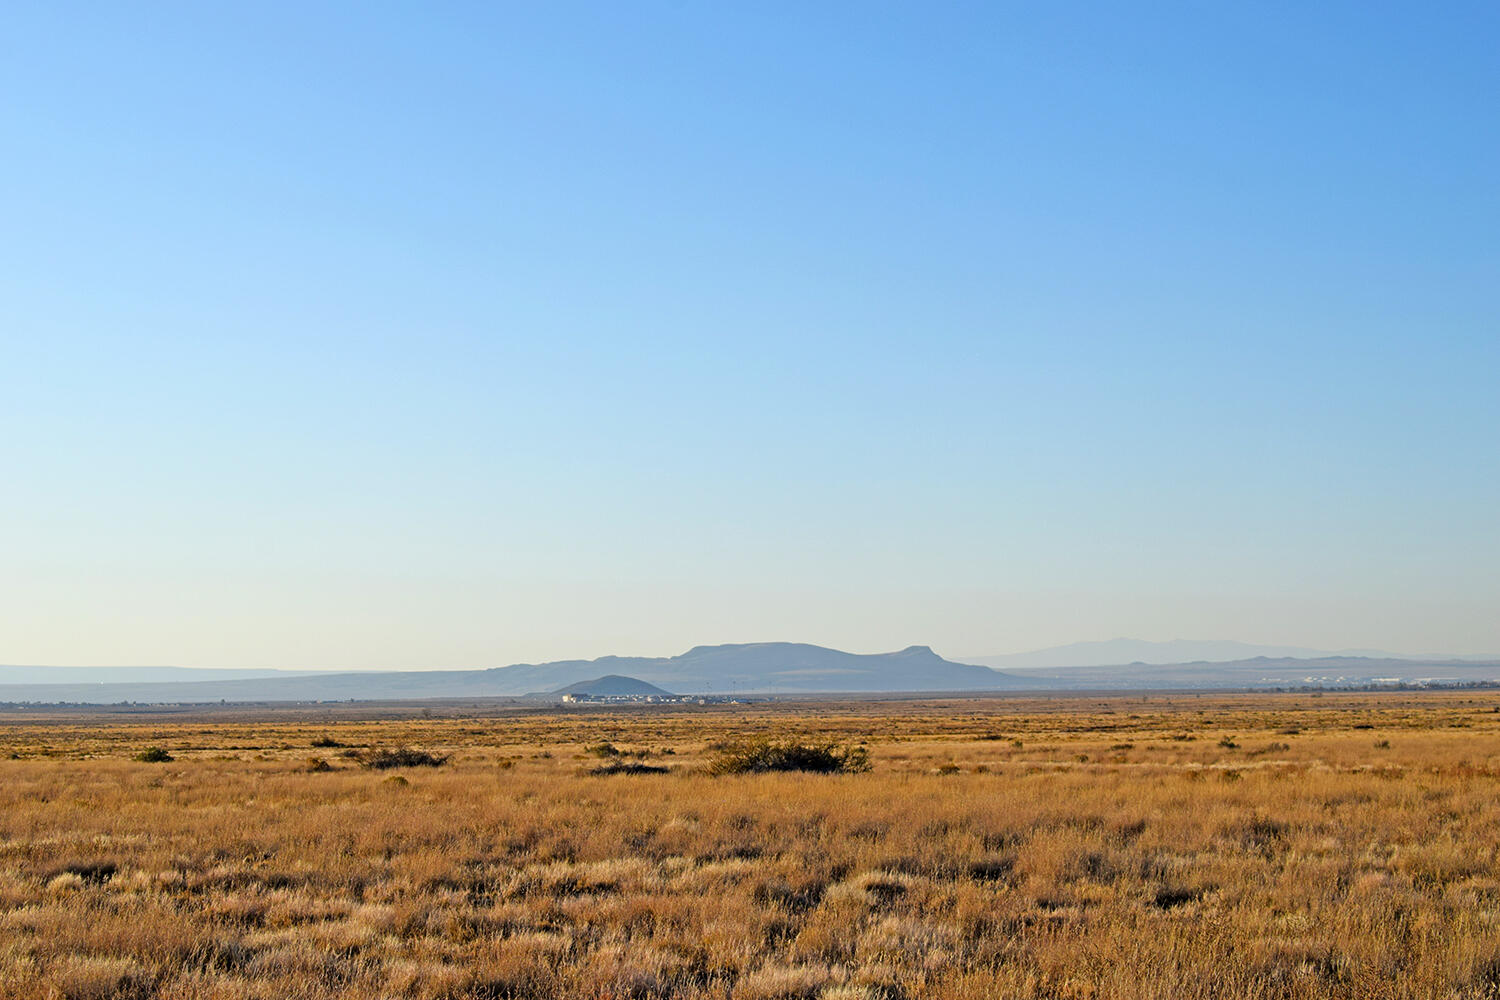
(461,334)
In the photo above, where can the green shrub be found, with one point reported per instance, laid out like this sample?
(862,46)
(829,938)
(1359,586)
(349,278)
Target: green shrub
(154,755)
(758,756)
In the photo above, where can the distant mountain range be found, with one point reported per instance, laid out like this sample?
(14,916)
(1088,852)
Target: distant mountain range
(749,668)
(1263,672)
(1120,652)
(753,668)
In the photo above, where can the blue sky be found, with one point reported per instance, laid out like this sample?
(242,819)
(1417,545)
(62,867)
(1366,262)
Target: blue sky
(401,335)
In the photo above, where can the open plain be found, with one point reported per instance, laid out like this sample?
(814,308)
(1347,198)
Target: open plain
(1272,845)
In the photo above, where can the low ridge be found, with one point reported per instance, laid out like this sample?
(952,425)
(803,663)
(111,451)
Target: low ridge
(613,686)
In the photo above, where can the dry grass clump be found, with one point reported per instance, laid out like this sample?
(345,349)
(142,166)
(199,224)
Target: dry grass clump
(765,755)
(1329,869)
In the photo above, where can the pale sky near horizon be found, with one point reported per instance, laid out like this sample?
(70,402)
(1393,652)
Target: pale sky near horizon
(445,335)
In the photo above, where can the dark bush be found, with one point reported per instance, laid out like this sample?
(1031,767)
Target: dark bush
(632,767)
(1169,896)
(326,741)
(384,760)
(92,872)
(759,756)
(154,755)
(991,869)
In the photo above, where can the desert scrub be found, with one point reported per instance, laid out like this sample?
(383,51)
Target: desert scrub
(154,755)
(759,756)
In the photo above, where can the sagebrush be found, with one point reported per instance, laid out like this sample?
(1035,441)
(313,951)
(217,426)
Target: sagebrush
(765,755)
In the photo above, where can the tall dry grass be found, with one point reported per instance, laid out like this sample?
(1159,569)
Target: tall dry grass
(1251,847)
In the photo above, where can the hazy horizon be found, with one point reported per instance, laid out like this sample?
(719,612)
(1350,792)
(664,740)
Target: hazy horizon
(340,337)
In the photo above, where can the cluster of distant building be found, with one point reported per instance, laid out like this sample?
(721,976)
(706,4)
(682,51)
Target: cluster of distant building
(583,697)
(576,697)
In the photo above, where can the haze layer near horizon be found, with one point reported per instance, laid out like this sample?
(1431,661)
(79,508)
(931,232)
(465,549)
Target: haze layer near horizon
(341,336)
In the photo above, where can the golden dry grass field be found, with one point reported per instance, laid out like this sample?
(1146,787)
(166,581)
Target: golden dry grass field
(1278,845)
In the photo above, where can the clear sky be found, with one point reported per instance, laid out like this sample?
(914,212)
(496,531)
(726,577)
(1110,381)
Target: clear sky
(426,334)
